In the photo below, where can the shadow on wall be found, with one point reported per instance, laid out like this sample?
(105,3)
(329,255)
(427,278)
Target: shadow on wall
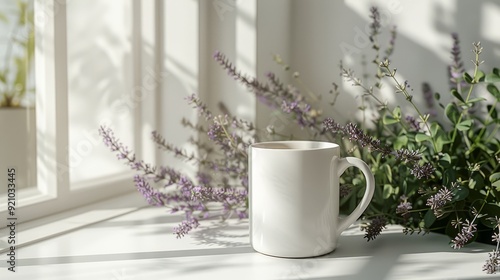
(326,32)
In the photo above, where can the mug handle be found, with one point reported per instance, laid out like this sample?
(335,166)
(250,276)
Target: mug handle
(343,164)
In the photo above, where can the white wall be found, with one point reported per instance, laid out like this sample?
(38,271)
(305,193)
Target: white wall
(307,34)
(321,27)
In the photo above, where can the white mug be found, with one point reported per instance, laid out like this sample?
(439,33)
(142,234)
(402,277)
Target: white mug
(294,197)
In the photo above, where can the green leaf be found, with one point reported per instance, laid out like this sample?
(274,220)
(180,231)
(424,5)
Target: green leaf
(397,113)
(3,18)
(460,193)
(429,218)
(492,111)
(496,71)
(465,125)
(436,129)
(495,177)
(491,210)
(468,79)
(457,95)
(452,113)
(440,142)
(476,181)
(420,137)
(445,158)
(388,119)
(479,76)
(496,185)
(493,90)
(388,172)
(2,77)
(492,78)
(475,100)
(449,176)
(388,190)
(22,7)
(450,230)
(400,142)
(357,182)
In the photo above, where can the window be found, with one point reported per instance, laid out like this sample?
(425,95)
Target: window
(85,71)
(127,65)
(17,114)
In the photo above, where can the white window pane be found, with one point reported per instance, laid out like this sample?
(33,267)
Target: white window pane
(17,106)
(100,84)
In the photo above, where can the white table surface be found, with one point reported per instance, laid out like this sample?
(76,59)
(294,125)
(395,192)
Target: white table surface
(140,245)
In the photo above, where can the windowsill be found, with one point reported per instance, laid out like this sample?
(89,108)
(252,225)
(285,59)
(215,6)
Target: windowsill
(122,238)
(139,244)
(41,229)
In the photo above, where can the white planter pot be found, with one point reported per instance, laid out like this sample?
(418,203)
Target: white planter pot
(18,146)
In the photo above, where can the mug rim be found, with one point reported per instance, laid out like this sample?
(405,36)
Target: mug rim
(294,145)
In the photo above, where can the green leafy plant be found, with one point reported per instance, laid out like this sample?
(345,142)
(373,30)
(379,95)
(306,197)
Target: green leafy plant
(18,55)
(458,193)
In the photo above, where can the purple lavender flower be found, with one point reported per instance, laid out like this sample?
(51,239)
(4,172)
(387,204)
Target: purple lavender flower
(375,25)
(424,171)
(204,178)
(345,190)
(455,70)
(375,227)
(414,124)
(200,106)
(242,214)
(439,200)
(152,196)
(252,83)
(185,227)
(492,265)
(288,107)
(465,235)
(216,133)
(355,134)
(392,43)
(406,155)
(428,94)
(114,145)
(404,206)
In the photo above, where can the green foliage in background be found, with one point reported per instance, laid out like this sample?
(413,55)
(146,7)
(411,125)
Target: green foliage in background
(18,56)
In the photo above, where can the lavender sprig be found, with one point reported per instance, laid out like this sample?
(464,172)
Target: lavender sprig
(276,95)
(187,195)
(152,196)
(374,27)
(404,206)
(465,235)
(356,135)
(252,83)
(492,265)
(185,227)
(375,227)
(439,200)
(456,69)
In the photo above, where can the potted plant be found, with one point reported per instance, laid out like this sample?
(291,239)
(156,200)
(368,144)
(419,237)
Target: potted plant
(17,112)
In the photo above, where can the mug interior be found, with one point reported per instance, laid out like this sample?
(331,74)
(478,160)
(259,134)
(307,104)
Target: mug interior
(294,145)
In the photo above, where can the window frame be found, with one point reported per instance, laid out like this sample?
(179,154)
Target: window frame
(54,192)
